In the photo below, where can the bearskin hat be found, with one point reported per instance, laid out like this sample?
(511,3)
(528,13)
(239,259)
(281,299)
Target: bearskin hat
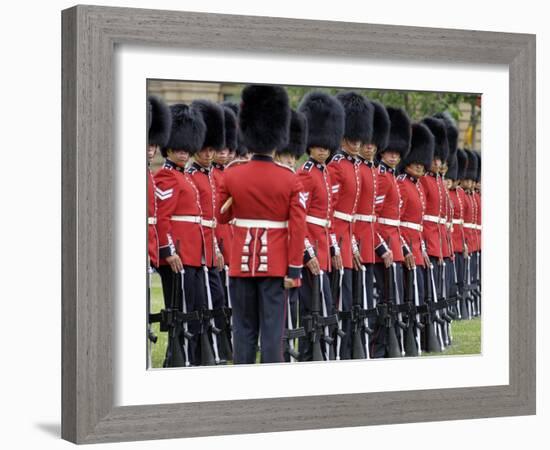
(422,147)
(381,126)
(264,118)
(188,129)
(359,116)
(232,106)
(240,150)
(159,121)
(452,166)
(213,117)
(400,132)
(439,130)
(451,129)
(462,163)
(298,135)
(478,174)
(471,167)
(325,118)
(230,125)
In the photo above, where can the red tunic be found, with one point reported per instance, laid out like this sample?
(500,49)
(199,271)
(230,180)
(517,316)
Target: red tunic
(316,183)
(434,232)
(152,236)
(365,229)
(469,218)
(263,190)
(458,198)
(448,223)
(477,199)
(203,179)
(224,231)
(412,213)
(178,197)
(388,207)
(346,190)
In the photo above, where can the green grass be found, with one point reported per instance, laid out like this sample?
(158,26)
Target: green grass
(466,333)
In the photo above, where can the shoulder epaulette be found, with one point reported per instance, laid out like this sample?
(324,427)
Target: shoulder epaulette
(191,170)
(308,166)
(403,176)
(285,166)
(381,169)
(337,158)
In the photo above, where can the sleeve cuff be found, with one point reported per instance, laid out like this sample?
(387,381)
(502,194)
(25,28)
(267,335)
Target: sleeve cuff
(382,249)
(294,272)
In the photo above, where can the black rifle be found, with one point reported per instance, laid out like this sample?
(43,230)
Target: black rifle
(434,339)
(227,320)
(357,315)
(390,316)
(209,329)
(291,333)
(412,332)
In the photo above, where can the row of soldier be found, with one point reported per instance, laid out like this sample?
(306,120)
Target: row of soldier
(370,249)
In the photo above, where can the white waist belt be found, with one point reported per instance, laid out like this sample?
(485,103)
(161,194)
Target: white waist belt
(458,221)
(478,227)
(435,219)
(472,226)
(343,216)
(208,223)
(253,223)
(318,221)
(412,226)
(152,220)
(391,222)
(364,218)
(191,219)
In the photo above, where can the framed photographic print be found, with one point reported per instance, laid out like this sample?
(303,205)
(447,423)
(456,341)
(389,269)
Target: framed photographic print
(135,79)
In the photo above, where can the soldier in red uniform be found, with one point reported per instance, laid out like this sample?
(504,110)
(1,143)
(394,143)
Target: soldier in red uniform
(159,122)
(470,222)
(179,227)
(368,242)
(346,188)
(325,119)
(434,226)
(266,204)
(457,167)
(388,211)
(415,164)
(201,174)
(477,201)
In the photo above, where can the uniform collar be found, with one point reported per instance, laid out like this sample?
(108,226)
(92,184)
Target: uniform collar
(168,164)
(386,167)
(257,157)
(346,155)
(412,178)
(317,164)
(200,168)
(218,166)
(431,174)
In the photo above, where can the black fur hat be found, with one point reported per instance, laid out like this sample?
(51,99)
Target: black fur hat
(451,129)
(232,106)
(439,130)
(478,157)
(264,118)
(159,121)
(298,135)
(462,163)
(400,132)
(325,118)
(359,116)
(213,117)
(452,167)
(240,150)
(381,126)
(471,168)
(188,129)
(422,147)
(230,125)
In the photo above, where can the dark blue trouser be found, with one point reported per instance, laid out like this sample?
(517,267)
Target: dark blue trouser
(379,339)
(195,300)
(258,309)
(306,292)
(347,300)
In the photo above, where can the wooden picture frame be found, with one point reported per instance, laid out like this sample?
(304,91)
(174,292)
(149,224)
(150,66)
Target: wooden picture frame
(90,34)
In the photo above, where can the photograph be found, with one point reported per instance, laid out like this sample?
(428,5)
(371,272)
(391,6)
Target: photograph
(298,224)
